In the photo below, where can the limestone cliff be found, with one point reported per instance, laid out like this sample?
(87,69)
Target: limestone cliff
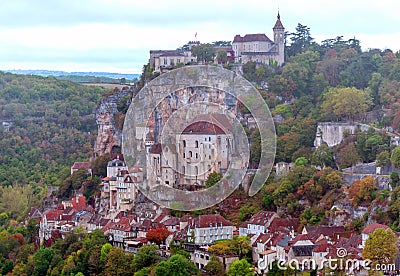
(108,136)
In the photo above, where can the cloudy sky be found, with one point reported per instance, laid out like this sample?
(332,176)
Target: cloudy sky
(116,35)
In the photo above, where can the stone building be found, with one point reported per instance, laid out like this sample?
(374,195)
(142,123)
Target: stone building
(204,147)
(259,48)
(163,60)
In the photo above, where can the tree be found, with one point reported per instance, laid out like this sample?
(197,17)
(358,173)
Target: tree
(99,165)
(395,158)
(176,265)
(348,156)
(213,178)
(240,268)
(204,52)
(301,40)
(243,244)
(157,235)
(222,56)
(118,262)
(380,247)
(145,257)
(345,102)
(301,161)
(394,179)
(322,156)
(32,230)
(382,158)
(42,259)
(105,249)
(214,267)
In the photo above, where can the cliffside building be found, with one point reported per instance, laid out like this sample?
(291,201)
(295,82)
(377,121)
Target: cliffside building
(259,48)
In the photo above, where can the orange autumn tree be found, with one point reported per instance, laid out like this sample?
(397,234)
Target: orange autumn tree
(157,235)
(363,190)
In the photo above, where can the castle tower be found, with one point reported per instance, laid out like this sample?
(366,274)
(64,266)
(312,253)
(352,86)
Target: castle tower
(279,39)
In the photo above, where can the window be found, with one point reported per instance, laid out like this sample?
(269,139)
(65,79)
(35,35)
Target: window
(184,143)
(184,155)
(196,144)
(197,155)
(178,60)
(190,153)
(171,61)
(165,61)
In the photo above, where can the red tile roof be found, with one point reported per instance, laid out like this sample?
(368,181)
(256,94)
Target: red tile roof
(81,165)
(54,215)
(209,124)
(323,247)
(372,227)
(204,221)
(156,149)
(261,218)
(251,38)
(79,203)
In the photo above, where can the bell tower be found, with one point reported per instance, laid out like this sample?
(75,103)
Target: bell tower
(279,39)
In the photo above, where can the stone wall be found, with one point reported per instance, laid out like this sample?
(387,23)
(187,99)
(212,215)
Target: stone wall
(332,133)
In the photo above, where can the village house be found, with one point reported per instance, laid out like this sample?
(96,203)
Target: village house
(81,166)
(369,229)
(206,229)
(164,60)
(258,223)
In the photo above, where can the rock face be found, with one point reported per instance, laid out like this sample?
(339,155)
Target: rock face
(107,135)
(332,133)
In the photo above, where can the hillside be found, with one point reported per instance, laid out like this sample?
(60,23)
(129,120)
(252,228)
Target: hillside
(45,125)
(81,77)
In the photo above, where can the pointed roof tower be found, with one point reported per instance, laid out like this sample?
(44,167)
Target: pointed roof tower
(278,23)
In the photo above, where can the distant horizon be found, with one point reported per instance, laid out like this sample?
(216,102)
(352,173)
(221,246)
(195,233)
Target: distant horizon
(116,36)
(67,72)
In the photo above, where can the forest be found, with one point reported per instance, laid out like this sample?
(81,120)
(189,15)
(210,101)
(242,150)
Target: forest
(51,125)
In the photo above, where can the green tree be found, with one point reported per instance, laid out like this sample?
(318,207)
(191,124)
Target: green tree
(222,56)
(301,40)
(301,161)
(176,265)
(42,259)
(240,268)
(322,156)
(99,165)
(382,158)
(380,247)
(395,158)
(213,178)
(145,257)
(118,262)
(347,103)
(214,267)
(105,250)
(394,179)
(243,244)
(204,52)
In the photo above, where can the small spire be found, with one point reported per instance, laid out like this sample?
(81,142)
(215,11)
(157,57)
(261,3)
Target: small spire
(279,16)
